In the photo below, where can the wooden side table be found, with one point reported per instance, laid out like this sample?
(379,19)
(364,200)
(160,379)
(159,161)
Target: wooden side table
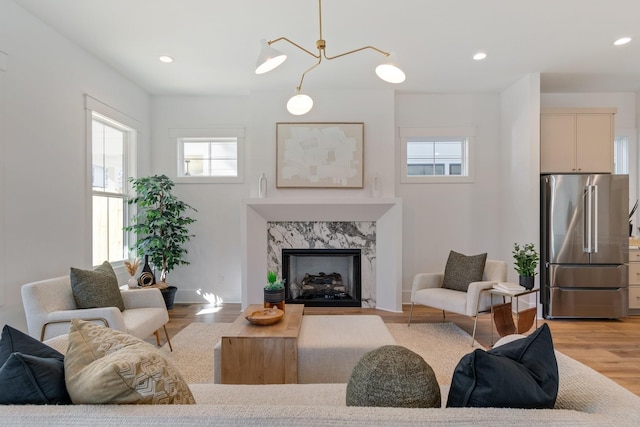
(253,354)
(511,296)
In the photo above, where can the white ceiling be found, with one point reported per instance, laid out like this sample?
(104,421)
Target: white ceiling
(215,43)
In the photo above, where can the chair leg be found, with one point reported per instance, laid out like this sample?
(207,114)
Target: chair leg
(475,325)
(167,335)
(443,316)
(410,314)
(157,334)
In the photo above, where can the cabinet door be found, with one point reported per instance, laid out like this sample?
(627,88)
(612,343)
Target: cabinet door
(557,143)
(594,136)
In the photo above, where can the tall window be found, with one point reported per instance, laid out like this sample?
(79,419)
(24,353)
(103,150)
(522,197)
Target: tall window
(432,155)
(110,142)
(621,155)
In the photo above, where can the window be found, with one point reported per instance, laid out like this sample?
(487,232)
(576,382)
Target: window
(109,145)
(621,155)
(437,154)
(209,155)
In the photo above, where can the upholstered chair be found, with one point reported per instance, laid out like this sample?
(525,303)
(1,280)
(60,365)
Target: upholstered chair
(427,290)
(49,306)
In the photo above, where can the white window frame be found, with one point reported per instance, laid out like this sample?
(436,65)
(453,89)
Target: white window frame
(466,132)
(182,135)
(124,122)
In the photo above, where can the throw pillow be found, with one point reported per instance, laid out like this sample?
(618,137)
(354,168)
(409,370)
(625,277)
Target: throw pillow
(518,374)
(97,288)
(462,270)
(103,365)
(30,371)
(393,376)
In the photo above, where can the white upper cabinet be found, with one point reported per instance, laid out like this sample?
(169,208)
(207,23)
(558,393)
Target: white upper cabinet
(576,140)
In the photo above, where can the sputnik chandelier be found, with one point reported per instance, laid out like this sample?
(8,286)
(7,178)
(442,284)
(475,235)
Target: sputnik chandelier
(301,103)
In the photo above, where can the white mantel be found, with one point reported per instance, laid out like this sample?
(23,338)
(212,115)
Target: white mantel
(387,213)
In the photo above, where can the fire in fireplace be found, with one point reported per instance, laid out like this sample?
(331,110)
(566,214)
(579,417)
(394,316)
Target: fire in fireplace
(322,277)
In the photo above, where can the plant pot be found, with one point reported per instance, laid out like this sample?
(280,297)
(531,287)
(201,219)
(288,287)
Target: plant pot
(169,293)
(527,281)
(274,298)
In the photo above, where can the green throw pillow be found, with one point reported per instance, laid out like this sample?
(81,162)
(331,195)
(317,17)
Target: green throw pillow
(462,270)
(97,288)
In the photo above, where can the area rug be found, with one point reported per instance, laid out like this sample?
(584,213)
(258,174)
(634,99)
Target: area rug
(440,344)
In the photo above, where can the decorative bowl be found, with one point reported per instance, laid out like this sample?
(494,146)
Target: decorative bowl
(266,316)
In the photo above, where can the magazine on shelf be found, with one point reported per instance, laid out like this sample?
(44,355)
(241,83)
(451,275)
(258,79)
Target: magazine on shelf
(509,287)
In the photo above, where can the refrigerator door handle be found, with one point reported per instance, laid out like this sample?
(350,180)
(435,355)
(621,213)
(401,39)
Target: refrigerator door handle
(595,218)
(586,235)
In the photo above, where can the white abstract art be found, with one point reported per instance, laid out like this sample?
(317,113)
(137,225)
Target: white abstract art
(323,155)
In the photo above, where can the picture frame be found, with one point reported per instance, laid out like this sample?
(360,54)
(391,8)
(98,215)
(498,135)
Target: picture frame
(320,155)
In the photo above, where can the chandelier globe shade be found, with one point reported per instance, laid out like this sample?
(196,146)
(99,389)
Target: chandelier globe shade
(269,58)
(299,104)
(389,71)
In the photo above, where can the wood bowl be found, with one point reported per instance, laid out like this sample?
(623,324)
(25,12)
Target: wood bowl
(266,316)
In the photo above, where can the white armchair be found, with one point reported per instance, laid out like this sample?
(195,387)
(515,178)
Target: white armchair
(49,306)
(427,290)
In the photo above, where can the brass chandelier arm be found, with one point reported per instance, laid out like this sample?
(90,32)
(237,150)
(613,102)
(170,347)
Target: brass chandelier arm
(356,50)
(305,73)
(270,42)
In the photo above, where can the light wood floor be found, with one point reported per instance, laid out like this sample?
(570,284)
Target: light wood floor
(611,347)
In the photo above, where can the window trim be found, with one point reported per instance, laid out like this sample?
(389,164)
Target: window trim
(468,132)
(178,135)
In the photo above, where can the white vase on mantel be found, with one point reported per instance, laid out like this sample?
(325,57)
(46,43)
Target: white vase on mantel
(375,186)
(262,186)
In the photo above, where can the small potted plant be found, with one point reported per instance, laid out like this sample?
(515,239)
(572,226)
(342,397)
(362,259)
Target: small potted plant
(274,291)
(526,260)
(161,228)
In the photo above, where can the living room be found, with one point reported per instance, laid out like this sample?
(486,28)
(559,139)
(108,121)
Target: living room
(45,211)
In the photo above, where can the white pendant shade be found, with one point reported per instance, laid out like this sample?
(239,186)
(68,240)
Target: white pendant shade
(390,73)
(269,58)
(299,104)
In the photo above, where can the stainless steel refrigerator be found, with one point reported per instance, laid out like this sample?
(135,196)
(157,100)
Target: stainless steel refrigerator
(584,246)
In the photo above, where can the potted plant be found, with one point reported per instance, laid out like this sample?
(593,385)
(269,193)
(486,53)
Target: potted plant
(526,258)
(161,227)
(274,291)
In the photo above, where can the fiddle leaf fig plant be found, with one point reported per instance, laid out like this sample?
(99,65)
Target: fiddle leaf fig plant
(160,223)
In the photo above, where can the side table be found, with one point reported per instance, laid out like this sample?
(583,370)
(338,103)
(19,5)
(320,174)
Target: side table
(511,296)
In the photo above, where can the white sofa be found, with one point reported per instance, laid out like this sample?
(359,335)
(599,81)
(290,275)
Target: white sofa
(585,398)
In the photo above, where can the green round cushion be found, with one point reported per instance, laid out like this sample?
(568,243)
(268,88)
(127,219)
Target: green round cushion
(394,376)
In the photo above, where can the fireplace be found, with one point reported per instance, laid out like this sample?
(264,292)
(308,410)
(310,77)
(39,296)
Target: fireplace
(322,277)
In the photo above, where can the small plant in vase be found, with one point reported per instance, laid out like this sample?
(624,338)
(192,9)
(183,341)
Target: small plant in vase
(274,291)
(526,260)
(132,269)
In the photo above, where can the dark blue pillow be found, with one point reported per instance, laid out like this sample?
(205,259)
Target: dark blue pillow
(519,374)
(30,372)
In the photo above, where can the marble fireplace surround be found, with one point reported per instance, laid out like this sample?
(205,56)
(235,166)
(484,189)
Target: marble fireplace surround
(385,212)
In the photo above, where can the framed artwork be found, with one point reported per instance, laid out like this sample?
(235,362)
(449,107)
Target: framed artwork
(319,155)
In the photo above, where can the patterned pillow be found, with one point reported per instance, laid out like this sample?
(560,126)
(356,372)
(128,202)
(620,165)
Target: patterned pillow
(103,365)
(462,270)
(97,288)
(393,376)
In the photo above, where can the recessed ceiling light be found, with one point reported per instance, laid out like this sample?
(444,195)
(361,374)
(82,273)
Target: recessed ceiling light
(479,56)
(166,58)
(621,41)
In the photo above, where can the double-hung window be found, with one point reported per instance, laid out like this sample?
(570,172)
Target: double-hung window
(437,154)
(112,148)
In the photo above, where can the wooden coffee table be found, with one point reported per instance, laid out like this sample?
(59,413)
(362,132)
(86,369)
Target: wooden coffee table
(253,354)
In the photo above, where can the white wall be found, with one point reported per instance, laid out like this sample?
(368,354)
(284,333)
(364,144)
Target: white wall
(520,166)
(46,193)
(442,217)
(215,254)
